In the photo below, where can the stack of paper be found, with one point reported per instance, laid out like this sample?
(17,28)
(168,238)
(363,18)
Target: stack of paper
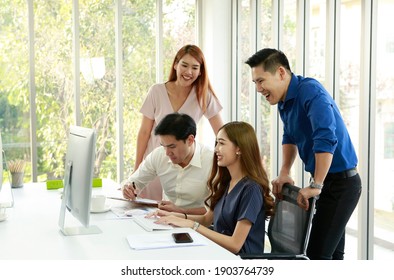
(161,240)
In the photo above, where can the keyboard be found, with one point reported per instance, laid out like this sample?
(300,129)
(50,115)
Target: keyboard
(149,224)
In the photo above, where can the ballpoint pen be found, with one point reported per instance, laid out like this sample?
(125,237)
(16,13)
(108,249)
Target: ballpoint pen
(133,185)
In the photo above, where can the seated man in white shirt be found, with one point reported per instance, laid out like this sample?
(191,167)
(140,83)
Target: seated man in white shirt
(182,165)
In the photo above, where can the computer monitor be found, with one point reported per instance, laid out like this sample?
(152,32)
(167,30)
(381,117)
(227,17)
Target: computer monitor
(78,175)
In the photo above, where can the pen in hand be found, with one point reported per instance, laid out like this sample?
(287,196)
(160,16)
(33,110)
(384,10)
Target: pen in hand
(135,189)
(129,190)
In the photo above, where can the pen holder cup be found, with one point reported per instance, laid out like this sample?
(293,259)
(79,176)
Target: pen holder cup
(17,179)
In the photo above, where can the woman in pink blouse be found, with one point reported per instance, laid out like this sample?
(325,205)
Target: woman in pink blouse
(188,90)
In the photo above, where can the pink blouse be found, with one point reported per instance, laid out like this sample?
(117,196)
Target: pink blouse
(157,105)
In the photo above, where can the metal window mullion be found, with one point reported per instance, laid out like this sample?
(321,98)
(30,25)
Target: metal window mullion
(303,19)
(276,123)
(159,42)
(332,46)
(256,96)
(76,64)
(198,24)
(277,22)
(367,135)
(235,55)
(301,44)
(119,90)
(32,93)
(253,114)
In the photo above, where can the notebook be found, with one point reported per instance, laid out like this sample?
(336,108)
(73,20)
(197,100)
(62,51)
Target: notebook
(149,224)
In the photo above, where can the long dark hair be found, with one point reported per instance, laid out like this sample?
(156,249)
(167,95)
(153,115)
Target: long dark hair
(243,136)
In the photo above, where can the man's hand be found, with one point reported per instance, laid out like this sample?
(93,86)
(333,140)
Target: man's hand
(169,206)
(277,184)
(304,194)
(128,190)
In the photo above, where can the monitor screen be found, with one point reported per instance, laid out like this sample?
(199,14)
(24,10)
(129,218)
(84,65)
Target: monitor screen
(78,177)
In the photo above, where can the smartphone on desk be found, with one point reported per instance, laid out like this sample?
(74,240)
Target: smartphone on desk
(182,237)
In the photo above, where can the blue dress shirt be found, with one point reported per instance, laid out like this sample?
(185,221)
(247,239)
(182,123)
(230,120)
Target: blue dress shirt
(313,123)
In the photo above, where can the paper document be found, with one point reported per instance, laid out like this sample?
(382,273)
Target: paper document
(146,201)
(127,212)
(138,200)
(149,224)
(161,240)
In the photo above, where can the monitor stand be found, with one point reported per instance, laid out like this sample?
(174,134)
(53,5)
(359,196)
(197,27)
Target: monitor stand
(69,231)
(75,230)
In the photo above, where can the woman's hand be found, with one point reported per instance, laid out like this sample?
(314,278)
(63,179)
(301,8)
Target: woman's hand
(157,213)
(175,221)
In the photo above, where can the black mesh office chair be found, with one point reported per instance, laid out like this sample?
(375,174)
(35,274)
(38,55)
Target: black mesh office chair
(289,228)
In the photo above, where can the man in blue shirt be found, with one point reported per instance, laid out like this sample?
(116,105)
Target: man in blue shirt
(314,127)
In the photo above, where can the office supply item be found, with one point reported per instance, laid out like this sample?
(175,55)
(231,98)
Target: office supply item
(17,170)
(17,179)
(162,240)
(138,200)
(58,184)
(136,212)
(97,182)
(78,177)
(182,237)
(128,211)
(134,188)
(54,184)
(289,228)
(149,223)
(16,166)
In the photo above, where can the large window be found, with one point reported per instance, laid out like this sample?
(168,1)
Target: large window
(316,57)
(14,82)
(250,106)
(58,64)
(73,74)
(348,95)
(384,135)
(322,39)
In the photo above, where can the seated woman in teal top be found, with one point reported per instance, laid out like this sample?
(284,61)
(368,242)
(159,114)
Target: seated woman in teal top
(245,201)
(240,199)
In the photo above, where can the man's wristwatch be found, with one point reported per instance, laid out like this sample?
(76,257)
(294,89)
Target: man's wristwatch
(315,185)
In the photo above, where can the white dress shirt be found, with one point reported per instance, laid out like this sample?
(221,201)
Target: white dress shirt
(185,187)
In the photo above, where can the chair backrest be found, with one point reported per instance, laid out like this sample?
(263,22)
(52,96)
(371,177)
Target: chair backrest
(289,228)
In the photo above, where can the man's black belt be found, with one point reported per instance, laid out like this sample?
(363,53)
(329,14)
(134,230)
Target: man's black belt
(344,174)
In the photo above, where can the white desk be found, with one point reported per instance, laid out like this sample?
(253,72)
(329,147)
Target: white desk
(32,232)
